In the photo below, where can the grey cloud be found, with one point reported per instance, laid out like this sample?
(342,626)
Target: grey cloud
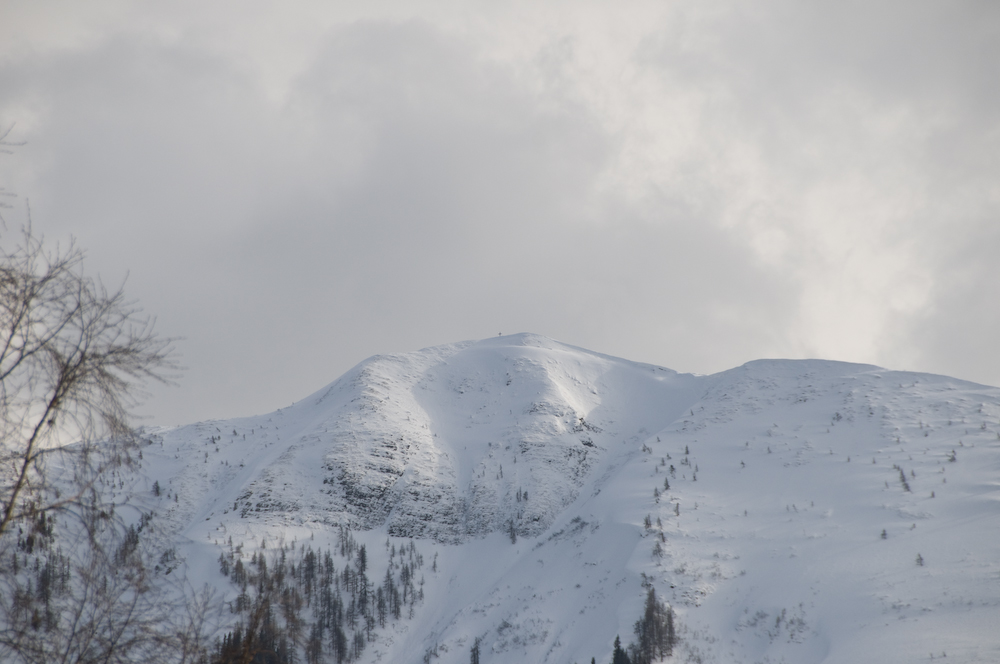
(479,215)
(868,133)
(407,188)
(957,335)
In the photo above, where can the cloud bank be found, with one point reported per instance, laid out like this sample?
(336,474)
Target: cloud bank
(295,188)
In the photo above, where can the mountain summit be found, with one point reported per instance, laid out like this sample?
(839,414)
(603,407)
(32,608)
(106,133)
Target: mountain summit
(786,510)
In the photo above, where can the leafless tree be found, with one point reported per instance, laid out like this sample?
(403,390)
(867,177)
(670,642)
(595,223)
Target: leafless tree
(77,583)
(72,356)
(95,598)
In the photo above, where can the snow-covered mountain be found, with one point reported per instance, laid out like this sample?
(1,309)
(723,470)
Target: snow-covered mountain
(535,474)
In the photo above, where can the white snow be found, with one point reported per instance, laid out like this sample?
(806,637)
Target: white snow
(776,554)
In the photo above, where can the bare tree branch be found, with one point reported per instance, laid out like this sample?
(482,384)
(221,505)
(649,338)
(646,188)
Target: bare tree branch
(73,357)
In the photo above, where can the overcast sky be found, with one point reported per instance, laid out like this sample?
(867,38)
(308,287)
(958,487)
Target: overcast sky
(293,187)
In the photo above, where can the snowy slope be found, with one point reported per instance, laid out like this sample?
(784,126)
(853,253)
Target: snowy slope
(784,475)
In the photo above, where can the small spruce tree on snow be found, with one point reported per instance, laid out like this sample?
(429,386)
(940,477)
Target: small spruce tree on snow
(362,561)
(474,653)
(902,479)
(619,656)
(654,632)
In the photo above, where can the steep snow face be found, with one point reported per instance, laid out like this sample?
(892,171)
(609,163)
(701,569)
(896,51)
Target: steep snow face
(447,442)
(754,501)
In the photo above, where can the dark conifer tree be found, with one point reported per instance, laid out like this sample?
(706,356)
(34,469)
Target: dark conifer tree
(654,632)
(619,656)
(362,560)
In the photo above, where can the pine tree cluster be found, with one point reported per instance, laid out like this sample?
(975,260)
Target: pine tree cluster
(296,603)
(655,635)
(42,575)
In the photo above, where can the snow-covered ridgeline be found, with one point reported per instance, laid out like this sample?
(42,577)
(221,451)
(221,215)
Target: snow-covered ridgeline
(768,542)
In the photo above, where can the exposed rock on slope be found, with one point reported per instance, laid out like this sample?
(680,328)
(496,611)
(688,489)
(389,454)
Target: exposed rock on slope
(462,439)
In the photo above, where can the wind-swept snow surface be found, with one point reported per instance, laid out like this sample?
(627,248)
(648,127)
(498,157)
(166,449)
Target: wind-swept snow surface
(801,496)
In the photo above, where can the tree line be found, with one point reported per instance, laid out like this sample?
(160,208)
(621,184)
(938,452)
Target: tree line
(296,602)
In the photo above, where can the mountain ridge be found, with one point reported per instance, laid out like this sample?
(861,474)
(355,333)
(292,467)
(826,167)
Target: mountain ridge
(782,474)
